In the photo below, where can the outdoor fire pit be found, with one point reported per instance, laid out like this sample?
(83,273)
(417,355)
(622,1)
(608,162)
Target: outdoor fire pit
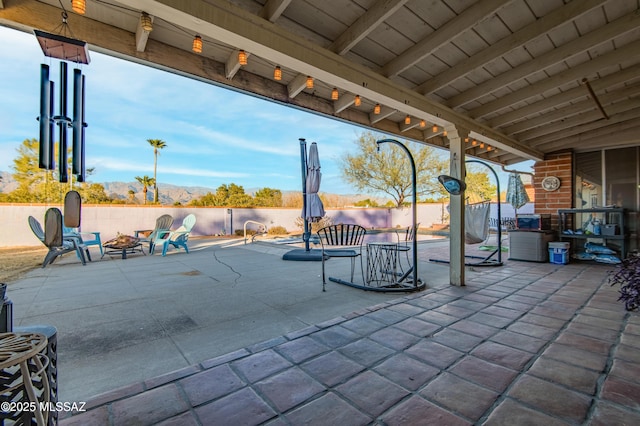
(123,244)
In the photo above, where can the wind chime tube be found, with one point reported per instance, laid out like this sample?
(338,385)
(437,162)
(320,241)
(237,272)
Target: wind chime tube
(77,125)
(62,125)
(45,117)
(52,151)
(81,176)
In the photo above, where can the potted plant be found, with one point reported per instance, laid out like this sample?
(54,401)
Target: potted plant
(627,274)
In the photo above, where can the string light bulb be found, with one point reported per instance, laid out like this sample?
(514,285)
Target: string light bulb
(376,109)
(309,82)
(407,120)
(145,22)
(444,133)
(197,44)
(434,129)
(481,144)
(79,6)
(277,73)
(357,101)
(334,94)
(242,57)
(474,143)
(423,123)
(489,148)
(466,139)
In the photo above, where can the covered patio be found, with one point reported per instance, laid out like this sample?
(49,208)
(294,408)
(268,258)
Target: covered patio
(240,338)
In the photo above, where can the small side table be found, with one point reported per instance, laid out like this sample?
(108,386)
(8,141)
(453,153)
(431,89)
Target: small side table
(382,263)
(23,362)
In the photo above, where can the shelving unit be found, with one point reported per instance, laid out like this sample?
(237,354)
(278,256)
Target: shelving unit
(573,219)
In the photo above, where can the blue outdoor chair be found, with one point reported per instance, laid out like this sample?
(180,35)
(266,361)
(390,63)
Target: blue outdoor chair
(177,238)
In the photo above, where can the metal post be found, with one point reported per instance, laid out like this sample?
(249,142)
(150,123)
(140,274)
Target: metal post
(414,211)
(303,161)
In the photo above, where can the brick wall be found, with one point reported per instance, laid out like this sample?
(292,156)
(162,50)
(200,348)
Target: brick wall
(548,202)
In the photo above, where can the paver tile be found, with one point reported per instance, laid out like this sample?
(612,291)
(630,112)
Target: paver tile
(434,353)
(210,384)
(456,339)
(490,375)
(502,355)
(394,338)
(569,375)
(301,349)
(416,411)
(149,407)
(621,392)
(372,393)
(332,368)
(574,356)
(289,388)
(244,407)
(329,406)
(453,393)
(551,399)
(258,366)
(366,351)
(606,414)
(406,372)
(511,413)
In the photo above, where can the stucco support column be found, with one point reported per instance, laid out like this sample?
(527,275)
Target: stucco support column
(456,137)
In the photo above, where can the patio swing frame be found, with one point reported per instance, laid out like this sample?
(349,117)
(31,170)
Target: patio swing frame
(488,260)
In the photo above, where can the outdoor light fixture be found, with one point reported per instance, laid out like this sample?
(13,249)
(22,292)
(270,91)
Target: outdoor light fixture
(423,123)
(357,101)
(197,44)
(434,129)
(489,148)
(481,144)
(145,22)
(474,143)
(466,139)
(242,57)
(444,133)
(453,185)
(376,109)
(79,6)
(334,94)
(407,120)
(277,73)
(309,82)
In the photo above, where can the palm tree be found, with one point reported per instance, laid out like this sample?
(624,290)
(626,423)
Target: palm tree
(146,182)
(156,144)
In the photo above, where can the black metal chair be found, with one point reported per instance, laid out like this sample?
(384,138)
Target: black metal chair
(405,243)
(343,240)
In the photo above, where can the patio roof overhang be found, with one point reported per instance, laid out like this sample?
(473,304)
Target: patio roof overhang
(509,71)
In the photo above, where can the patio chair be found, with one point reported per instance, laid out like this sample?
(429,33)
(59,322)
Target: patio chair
(405,242)
(53,239)
(88,238)
(177,238)
(343,240)
(163,224)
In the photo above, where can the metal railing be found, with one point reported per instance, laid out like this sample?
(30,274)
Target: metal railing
(259,232)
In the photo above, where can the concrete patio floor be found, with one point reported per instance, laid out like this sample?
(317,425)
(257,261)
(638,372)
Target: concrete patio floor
(231,334)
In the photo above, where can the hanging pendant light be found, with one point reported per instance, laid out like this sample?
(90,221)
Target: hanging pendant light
(474,143)
(357,101)
(407,119)
(423,124)
(489,148)
(197,44)
(309,82)
(376,109)
(145,22)
(277,73)
(481,144)
(466,139)
(444,133)
(434,129)
(242,57)
(334,94)
(79,6)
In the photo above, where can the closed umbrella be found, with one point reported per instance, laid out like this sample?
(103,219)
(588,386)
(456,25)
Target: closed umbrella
(314,208)
(516,194)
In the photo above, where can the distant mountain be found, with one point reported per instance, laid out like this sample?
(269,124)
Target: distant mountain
(170,194)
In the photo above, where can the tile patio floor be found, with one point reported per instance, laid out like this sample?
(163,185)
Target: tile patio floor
(525,343)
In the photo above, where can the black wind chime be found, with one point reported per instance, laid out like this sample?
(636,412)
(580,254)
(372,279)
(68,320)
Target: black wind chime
(61,47)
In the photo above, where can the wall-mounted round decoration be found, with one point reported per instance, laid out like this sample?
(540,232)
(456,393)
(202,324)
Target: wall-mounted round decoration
(550,183)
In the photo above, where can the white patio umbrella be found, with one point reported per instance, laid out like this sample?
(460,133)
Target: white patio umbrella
(314,208)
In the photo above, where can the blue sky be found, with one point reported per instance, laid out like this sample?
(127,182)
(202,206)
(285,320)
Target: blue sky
(213,135)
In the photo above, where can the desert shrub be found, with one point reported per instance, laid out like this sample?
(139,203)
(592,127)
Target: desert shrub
(277,230)
(315,226)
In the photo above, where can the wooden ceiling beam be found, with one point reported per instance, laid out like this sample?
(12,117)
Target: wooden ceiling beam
(566,96)
(622,25)
(272,9)
(574,74)
(540,26)
(464,21)
(629,130)
(366,23)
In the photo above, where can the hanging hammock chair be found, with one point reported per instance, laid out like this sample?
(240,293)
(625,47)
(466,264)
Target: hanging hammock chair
(476,222)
